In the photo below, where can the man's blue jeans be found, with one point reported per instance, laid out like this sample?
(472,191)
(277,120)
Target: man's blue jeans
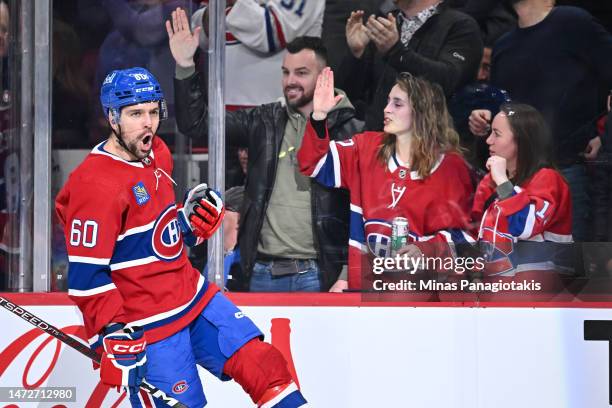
(308,279)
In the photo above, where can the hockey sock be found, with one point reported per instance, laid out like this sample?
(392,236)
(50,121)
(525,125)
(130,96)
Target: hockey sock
(257,367)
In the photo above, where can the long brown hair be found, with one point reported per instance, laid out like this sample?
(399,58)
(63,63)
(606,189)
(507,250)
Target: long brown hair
(432,133)
(532,138)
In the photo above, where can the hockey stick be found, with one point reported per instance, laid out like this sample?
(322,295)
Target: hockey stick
(81,348)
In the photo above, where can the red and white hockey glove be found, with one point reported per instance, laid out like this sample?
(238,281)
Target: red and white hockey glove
(124,360)
(204,210)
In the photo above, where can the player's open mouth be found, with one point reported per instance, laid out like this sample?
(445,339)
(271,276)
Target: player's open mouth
(146,140)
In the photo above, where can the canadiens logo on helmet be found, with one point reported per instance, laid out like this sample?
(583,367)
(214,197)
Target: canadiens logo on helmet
(166,241)
(180,387)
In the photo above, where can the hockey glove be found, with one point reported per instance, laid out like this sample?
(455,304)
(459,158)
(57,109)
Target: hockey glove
(124,359)
(204,211)
(98,345)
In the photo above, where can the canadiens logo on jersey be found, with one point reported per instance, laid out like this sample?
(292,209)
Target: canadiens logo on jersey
(166,240)
(498,249)
(378,237)
(141,194)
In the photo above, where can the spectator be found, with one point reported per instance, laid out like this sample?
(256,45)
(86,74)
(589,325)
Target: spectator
(235,279)
(601,187)
(477,95)
(334,23)
(137,38)
(557,60)
(423,37)
(523,198)
(4,29)
(494,17)
(412,170)
(257,33)
(284,215)
(71,95)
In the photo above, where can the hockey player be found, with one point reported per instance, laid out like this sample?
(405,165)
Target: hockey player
(522,198)
(411,170)
(142,301)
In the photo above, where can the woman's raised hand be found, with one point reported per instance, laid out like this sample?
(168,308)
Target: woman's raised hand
(324,99)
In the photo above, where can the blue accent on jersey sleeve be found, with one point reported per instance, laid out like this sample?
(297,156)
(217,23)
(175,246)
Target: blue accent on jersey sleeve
(270,31)
(356,229)
(457,236)
(83,276)
(326,174)
(517,221)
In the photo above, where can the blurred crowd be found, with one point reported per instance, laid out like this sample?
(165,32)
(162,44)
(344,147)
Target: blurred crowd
(293,220)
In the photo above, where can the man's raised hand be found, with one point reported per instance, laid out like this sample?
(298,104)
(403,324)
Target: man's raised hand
(183,43)
(356,35)
(324,99)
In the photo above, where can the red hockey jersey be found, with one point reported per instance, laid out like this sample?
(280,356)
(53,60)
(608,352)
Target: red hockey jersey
(538,211)
(127,261)
(437,207)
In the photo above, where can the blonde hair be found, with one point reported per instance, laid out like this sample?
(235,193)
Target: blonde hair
(432,126)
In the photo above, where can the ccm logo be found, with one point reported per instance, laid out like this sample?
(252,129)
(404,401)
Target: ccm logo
(124,348)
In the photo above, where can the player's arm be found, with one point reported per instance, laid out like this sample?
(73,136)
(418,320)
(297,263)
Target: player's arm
(91,230)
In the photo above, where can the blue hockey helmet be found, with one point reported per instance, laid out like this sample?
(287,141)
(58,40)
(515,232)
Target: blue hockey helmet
(129,87)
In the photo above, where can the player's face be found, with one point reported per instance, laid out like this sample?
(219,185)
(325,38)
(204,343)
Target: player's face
(501,140)
(398,112)
(300,71)
(138,126)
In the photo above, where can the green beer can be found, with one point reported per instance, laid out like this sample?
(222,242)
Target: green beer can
(399,234)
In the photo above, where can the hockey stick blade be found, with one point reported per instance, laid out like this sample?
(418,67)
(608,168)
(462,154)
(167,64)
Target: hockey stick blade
(81,348)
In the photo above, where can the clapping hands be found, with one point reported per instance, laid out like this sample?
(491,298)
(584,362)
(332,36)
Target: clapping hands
(382,31)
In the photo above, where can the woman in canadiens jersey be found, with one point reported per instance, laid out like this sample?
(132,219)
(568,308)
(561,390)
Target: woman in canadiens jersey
(413,169)
(523,206)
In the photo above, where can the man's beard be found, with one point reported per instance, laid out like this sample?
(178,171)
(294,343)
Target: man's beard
(138,153)
(303,100)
